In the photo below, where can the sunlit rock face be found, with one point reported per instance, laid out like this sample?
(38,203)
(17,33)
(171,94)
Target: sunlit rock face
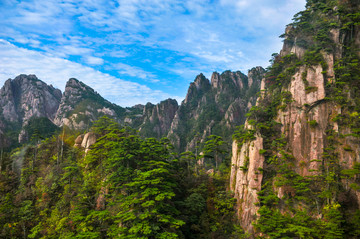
(246,179)
(304,122)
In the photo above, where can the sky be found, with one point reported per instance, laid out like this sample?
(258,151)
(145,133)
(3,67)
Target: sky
(138,51)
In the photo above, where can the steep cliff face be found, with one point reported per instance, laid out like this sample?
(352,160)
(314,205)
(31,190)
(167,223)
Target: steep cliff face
(158,118)
(246,179)
(26,97)
(304,131)
(214,107)
(81,105)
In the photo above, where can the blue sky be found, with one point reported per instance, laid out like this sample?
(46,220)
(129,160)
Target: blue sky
(138,51)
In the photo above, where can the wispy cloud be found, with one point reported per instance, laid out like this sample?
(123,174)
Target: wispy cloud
(124,69)
(177,39)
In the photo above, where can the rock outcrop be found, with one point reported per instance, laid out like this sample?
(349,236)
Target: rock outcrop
(158,118)
(26,96)
(85,141)
(214,107)
(246,179)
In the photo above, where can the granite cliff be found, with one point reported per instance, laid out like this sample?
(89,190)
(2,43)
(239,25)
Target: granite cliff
(299,150)
(28,104)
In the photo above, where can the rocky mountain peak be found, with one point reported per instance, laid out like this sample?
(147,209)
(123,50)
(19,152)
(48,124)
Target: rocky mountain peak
(254,75)
(233,79)
(197,88)
(82,98)
(201,82)
(26,96)
(76,89)
(213,108)
(215,78)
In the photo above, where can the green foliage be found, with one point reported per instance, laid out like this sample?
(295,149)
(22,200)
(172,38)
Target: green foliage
(40,128)
(243,135)
(124,187)
(313,123)
(215,148)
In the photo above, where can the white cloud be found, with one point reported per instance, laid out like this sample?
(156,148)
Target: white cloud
(74,50)
(57,71)
(135,72)
(207,35)
(91,60)
(118,54)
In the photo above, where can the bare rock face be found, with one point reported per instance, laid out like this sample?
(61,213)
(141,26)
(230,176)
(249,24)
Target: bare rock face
(74,93)
(85,141)
(200,86)
(26,97)
(158,118)
(291,45)
(306,141)
(88,140)
(246,178)
(255,76)
(78,141)
(235,114)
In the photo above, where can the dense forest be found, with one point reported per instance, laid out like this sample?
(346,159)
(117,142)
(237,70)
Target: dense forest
(293,171)
(123,187)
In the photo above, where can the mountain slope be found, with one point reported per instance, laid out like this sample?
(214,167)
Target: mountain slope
(80,106)
(214,107)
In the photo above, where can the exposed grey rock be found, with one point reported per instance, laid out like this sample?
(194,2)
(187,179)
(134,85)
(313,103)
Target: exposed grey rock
(158,118)
(26,97)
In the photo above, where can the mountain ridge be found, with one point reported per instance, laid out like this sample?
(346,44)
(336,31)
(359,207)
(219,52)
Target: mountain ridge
(80,105)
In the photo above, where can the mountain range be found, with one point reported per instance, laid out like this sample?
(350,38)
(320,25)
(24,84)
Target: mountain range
(209,107)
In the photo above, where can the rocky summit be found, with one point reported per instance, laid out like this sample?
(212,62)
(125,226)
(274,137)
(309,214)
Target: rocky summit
(80,106)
